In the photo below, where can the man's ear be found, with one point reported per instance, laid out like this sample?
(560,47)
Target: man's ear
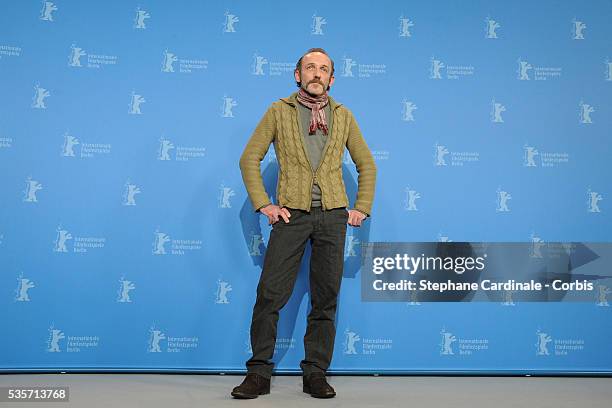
(296,74)
(331,81)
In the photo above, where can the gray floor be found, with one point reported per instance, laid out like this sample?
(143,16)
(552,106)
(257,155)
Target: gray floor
(178,391)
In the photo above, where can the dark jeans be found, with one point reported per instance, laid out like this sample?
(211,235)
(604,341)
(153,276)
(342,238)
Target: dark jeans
(327,232)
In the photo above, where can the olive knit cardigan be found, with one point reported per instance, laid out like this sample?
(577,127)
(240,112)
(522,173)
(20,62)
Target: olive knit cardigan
(280,126)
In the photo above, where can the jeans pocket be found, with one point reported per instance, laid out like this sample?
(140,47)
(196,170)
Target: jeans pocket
(342,213)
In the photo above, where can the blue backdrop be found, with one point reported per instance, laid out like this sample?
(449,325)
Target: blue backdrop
(127,240)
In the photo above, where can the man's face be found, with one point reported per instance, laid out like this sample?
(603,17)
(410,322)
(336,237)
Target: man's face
(315,75)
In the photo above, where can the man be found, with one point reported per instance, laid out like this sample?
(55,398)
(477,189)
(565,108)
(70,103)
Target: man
(309,131)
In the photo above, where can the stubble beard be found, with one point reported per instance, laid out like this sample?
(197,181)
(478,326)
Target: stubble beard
(315,95)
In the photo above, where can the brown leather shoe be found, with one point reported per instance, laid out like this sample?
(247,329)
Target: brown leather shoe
(316,385)
(253,386)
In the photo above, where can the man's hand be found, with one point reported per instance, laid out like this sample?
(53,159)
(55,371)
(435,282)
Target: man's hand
(273,212)
(355,218)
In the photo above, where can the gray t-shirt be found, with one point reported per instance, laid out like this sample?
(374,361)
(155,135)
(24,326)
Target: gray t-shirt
(314,144)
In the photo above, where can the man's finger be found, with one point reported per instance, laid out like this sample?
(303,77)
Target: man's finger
(284,215)
(286,211)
